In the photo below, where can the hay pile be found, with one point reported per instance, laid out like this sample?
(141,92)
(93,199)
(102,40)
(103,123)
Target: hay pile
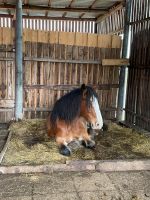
(122,143)
(116,143)
(20,151)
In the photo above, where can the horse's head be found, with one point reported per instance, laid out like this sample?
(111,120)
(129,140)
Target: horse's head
(90,107)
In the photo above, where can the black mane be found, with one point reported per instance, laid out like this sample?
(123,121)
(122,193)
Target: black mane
(67,108)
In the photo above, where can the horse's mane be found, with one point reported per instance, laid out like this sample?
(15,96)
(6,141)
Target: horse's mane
(67,108)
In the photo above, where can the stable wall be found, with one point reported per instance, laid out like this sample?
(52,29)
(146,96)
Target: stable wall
(55,63)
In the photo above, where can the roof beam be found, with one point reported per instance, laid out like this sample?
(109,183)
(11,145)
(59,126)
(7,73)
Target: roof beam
(65,13)
(81,15)
(93,3)
(46,8)
(50,18)
(71,3)
(110,12)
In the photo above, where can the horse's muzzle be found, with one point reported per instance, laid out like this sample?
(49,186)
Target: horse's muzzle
(97,125)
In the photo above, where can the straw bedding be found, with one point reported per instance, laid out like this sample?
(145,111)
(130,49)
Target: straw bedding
(30,145)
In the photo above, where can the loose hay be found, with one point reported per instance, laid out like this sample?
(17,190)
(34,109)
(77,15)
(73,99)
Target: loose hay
(116,143)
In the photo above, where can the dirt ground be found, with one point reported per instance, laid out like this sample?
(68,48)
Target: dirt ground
(30,145)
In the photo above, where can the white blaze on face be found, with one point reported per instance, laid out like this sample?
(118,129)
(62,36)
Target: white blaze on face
(99,123)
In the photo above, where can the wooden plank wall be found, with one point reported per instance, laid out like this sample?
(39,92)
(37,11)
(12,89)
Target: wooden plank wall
(138,94)
(57,62)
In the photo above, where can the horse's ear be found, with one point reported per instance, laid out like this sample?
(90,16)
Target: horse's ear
(83,87)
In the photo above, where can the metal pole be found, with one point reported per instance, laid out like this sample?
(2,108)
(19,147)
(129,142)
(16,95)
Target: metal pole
(19,68)
(123,70)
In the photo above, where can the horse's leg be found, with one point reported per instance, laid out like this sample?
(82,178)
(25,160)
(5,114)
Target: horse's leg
(87,141)
(63,148)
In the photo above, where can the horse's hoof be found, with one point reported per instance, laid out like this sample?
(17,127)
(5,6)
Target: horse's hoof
(89,144)
(64,151)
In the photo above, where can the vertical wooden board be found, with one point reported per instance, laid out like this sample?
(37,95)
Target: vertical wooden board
(1,35)
(27,35)
(85,66)
(34,37)
(92,40)
(116,41)
(66,38)
(54,37)
(69,50)
(104,41)
(75,57)
(90,70)
(81,39)
(80,57)
(7,36)
(43,36)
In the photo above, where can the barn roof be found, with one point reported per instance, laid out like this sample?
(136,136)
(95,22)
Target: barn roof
(62,9)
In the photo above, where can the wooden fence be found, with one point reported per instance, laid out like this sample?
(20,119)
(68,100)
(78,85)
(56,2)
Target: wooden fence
(55,63)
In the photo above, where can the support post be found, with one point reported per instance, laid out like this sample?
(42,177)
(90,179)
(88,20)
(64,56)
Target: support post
(19,68)
(123,70)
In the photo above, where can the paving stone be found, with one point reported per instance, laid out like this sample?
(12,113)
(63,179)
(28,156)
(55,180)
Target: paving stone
(96,181)
(59,196)
(100,195)
(55,183)
(135,195)
(15,186)
(17,198)
(130,180)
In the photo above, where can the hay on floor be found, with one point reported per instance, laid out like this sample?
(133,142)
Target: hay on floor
(116,143)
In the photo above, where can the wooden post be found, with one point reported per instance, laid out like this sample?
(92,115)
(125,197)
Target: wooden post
(19,68)
(123,73)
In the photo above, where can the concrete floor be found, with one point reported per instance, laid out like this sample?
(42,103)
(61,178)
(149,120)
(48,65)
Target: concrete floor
(76,186)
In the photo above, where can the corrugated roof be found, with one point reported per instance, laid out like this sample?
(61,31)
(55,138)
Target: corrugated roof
(60,8)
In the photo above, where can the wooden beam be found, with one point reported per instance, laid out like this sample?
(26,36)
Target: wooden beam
(50,18)
(70,87)
(68,9)
(65,13)
(115,62)
(110,12)
(71,3)
(93,3)
(49,3)
(62,61)
(81,15)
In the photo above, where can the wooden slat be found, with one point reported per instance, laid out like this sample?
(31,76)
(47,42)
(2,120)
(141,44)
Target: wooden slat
(67,38)
(104,41)
(7,103)
(92,40)
(81,39)
(115,62)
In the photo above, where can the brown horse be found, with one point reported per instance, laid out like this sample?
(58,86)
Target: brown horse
(70,115)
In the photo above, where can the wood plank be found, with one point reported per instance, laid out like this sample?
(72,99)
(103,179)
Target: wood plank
(115,62)
(116,41)
(67,38)
(61,61)
(81,39)
(7,103)
(104,41)
(53,37)
(92,40)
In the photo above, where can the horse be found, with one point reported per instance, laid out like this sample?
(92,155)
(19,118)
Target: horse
(70,116)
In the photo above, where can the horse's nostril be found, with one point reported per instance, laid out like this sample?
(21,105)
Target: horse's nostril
(97,124)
